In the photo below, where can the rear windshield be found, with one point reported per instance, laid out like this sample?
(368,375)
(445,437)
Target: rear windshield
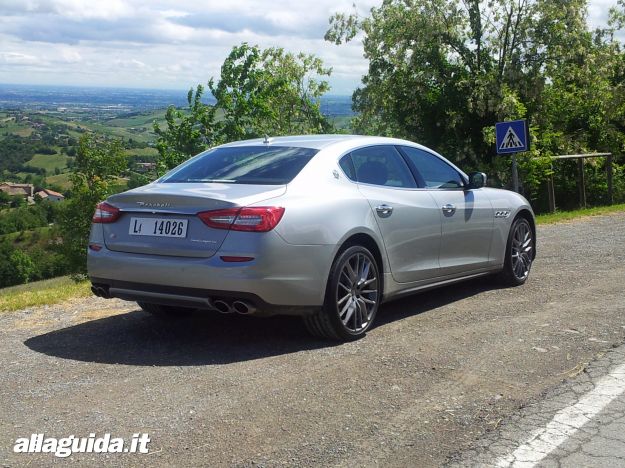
(261,165)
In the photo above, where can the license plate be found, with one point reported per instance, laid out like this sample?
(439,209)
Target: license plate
(158,227)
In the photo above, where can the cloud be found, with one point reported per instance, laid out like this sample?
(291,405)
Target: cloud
(271,24)
(170,43)
(13,58)
(599,12)
(76,9)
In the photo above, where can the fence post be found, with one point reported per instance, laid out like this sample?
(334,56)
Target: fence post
(551,193)
(582,183)
(610,179)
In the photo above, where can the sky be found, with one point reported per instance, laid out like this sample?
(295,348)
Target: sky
(171,44)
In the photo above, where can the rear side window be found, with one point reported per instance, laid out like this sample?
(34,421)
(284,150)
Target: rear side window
(382,165)
(348,167)
(259,165)
(435,172)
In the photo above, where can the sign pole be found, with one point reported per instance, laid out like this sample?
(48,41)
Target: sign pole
(512,137)
(515,174)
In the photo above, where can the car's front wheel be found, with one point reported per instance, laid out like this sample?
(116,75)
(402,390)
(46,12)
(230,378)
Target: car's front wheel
(165,312)
(519,253)
(352,297)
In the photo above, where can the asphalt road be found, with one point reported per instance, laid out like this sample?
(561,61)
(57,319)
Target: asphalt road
(441,373)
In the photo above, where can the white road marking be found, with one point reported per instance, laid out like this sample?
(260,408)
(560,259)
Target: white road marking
(566,422)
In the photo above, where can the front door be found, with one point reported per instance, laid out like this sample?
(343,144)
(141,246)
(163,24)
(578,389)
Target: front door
(467,215)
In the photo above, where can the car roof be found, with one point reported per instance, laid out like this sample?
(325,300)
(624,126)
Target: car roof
(314,141)
(343,142)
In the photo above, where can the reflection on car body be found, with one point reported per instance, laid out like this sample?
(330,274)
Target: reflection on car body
(327,227)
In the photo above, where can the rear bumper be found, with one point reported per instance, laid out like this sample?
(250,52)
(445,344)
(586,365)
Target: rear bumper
(191,297)
(281,276)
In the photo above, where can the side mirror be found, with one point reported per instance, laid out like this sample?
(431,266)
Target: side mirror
(477,180)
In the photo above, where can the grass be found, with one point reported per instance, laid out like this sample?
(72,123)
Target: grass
(143,119)
(46,292)
(559,216)
(61,180)
(149,152)
(49,162)
(140,134)
(24,240)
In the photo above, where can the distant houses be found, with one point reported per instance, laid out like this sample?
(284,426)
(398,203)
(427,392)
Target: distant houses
(145,166)
(50,195)
(18,190)
(27,192)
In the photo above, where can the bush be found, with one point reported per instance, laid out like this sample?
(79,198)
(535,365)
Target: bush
(23,266)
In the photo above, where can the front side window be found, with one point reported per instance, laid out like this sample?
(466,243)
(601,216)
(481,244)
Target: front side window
(382,165)
(259,165)
(435,172)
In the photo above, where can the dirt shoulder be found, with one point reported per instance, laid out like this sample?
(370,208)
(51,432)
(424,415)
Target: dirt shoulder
(439,370)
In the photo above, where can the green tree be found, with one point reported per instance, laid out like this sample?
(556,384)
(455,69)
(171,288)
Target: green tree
(5,199)
(188,131)
(259,92)
(23,266)
(442,72)
(137,180)
(99,162)
(270,92)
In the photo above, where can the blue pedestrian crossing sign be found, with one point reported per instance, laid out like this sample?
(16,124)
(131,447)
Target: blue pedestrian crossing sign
(512,137)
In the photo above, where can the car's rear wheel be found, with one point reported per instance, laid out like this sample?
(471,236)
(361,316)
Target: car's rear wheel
(352,297)
(519,253)
(165,312)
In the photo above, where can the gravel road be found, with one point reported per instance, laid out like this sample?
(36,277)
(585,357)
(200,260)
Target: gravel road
(438,372)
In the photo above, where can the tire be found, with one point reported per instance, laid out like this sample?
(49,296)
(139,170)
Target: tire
(165,312)
(352,297)
(519,253)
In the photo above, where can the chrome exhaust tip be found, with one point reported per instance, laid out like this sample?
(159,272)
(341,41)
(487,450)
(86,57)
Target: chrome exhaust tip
(100,291)
(222,307)
(243,308)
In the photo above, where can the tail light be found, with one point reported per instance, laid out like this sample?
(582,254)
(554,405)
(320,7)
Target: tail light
(254,218)
(105,213)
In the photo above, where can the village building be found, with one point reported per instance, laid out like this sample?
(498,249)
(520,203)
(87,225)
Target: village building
(145,166)
(51,195)
(23,190)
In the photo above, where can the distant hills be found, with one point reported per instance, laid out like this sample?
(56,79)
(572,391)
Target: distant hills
(120,100)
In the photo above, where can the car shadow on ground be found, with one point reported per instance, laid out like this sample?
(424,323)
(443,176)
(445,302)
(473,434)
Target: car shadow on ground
(208,338)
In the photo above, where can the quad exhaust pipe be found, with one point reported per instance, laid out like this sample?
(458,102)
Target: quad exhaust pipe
(100,291)
(243,308)
(220,305)
(239,307)
(223,307)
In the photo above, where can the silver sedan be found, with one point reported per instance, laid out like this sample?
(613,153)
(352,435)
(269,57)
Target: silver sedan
(327,227)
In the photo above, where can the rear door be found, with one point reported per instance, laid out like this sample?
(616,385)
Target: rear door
(407,217)
(467,215)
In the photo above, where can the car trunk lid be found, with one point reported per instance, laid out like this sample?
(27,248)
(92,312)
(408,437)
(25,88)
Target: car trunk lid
(148,213)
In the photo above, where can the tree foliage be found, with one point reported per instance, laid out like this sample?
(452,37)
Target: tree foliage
(98,164)
(269,92)
(442,72)
(260,91)
(187,133)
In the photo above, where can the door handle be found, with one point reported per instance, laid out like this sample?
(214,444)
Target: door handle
(449,209)
(384,211)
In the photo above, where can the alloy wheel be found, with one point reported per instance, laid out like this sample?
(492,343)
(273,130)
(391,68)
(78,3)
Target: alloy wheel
(357,293)
(522,250)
